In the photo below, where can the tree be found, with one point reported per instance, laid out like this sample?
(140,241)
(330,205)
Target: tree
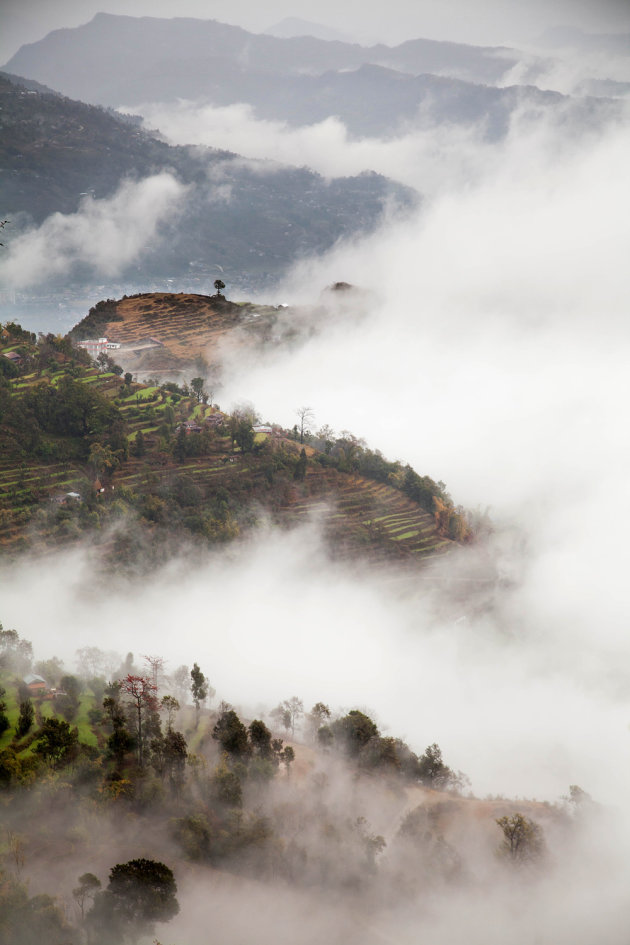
(318,716)
(299,472)
(295,708)
(196,385)
(26,717)
(288,757)
(281,715)
(139,894)
(156,664)
(260,737)
(353,731)
(523,841)
(230,732)
(219,285)
(199,690)
(433,772)
(226,786)
(68,703)
(139,446)
(141,693)
(180,681)
(171,707)
(56,741)
(102,460)
(15,655)
(88,887)
(306,416)
(175,757)
(4,718)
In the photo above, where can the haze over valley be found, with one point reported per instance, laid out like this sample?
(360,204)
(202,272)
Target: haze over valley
(356,452)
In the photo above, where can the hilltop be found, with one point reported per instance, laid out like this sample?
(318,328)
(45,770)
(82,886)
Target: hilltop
(170,334)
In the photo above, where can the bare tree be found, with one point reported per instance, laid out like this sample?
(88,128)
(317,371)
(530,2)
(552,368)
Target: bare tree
(156,664)
(306,415)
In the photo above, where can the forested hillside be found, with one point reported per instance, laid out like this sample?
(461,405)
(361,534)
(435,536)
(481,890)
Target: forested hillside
(142,787)
(251,218)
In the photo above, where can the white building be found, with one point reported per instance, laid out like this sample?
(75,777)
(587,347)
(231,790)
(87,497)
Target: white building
(93,346)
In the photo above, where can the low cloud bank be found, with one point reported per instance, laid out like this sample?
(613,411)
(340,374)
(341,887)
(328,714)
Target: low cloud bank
(103,235)
(522,701)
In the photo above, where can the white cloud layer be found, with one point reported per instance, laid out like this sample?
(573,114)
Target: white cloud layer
(105,235)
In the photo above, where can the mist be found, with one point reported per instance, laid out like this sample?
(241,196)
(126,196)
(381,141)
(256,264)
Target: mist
(492,354)
(104,236)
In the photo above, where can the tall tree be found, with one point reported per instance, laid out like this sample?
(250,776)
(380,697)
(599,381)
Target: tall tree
(25,719)
(306,416)
(197,387)
(88,887)
(199,689)
(156,664)
(141,694)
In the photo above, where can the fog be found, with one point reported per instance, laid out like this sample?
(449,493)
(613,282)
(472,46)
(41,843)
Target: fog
(102,237)
(494,358)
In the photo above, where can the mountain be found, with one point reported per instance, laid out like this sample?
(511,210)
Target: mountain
(375,91)
(253,218)
(122,60)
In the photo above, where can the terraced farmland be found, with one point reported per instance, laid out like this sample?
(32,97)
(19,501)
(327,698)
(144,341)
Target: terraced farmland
(356,513)
(174,479)
(184,326)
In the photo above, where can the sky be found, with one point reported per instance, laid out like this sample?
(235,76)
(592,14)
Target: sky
(494,22)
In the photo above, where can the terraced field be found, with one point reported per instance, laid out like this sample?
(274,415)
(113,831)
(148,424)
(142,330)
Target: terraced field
(357,513)
(186,327)
(161,484)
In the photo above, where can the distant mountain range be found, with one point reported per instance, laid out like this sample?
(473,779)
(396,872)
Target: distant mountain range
(252,218)
(121,61)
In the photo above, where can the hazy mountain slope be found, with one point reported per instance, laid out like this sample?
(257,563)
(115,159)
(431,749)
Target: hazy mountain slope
(375,92)
(252,218)
(115,59)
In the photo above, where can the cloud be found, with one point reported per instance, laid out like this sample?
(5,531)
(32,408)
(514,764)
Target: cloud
(104,235)
(416,158)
